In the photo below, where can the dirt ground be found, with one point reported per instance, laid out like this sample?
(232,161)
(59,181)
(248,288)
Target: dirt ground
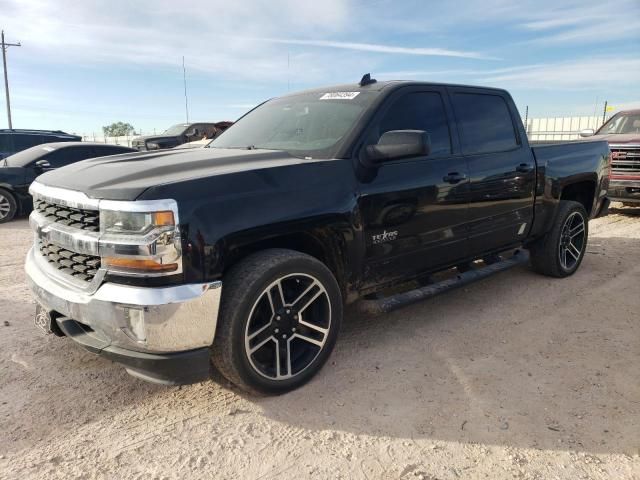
(517,376)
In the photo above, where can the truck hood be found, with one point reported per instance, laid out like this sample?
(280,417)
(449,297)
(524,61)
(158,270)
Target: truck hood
(126,176)
(619,139)
(154,138)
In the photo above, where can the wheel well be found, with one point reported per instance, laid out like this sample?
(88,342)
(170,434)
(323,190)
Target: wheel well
(301,242)
(583,192)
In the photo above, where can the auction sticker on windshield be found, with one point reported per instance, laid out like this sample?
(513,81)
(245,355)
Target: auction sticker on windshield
(339,96)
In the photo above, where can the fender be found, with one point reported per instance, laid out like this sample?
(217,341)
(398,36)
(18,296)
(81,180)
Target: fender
(557,167)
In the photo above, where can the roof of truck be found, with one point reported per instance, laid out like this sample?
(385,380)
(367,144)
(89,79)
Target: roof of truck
(29,131)
(377,86)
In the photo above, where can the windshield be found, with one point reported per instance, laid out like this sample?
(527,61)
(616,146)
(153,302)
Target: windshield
(176,129)
(306,125)
(25,157)
(621,123)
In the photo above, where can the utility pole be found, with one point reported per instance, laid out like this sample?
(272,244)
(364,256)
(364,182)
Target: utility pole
(5,47)
(184,79)
(604,113)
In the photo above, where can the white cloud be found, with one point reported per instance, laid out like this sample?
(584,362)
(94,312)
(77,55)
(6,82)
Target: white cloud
(588,73)
(585,23)
(377,48)
(233,39)
(584,73)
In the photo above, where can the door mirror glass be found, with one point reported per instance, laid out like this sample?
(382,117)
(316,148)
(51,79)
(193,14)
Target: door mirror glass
(587,132)
(397,144)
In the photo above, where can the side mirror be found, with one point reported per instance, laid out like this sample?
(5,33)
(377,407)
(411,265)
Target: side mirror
(42,164)
(587,132)
(397,144)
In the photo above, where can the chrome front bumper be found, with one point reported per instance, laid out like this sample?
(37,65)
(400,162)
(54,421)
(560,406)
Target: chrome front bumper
(152,320)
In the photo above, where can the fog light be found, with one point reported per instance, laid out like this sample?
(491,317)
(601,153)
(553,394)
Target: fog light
(134,318)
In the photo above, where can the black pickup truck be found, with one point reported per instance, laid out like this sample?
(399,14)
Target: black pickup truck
(243,254)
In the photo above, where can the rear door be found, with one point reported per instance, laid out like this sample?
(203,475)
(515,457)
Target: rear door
(501,168)
(414,210)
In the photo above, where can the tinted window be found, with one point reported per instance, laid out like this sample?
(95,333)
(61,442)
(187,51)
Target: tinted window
(66,156)
(6,145)
(108,150)
(22,142)
(314,124)
(485,123)
(420,111)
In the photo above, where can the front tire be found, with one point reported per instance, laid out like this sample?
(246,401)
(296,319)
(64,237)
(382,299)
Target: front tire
(560,252)
(279,320)
(8,206)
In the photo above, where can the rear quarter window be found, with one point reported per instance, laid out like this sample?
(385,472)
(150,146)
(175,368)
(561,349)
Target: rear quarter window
(484,122)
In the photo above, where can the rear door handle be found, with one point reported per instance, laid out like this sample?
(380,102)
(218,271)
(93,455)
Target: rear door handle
(454,177)
(524,168)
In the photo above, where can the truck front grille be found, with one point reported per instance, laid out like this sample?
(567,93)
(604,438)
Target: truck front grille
(625,160)
(88,220)
(80,266)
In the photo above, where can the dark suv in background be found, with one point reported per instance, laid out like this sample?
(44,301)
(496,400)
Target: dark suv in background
(179,134)
(14,140)
(19,170)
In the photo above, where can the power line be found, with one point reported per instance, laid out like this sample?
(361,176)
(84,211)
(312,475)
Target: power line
(5,47)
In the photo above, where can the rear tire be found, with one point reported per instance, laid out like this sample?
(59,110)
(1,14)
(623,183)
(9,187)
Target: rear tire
(279,320)
(8,206)
(560,252)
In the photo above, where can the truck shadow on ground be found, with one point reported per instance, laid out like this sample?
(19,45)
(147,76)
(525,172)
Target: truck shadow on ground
(516,360)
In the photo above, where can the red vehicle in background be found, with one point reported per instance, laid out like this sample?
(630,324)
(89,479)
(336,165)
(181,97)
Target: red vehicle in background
(622,131)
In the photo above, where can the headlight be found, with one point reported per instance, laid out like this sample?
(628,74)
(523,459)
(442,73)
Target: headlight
(152,146)
(144,241)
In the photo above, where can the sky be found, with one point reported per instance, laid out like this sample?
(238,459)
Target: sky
(86,64)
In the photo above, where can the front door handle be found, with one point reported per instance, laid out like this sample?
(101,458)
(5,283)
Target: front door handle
(524,168)
(454,177)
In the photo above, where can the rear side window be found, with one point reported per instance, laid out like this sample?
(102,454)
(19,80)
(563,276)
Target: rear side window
(23,141)
(5,144)
(66,156)
(420,111)
(485,123)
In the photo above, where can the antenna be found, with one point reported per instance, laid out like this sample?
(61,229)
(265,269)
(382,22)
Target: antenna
(184,79)
(367,80)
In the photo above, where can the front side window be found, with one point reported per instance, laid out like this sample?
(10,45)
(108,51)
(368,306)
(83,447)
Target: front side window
(306,125)
(419,111)
(485,123)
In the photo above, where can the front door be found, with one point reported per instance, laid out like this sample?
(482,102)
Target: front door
(414,211)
